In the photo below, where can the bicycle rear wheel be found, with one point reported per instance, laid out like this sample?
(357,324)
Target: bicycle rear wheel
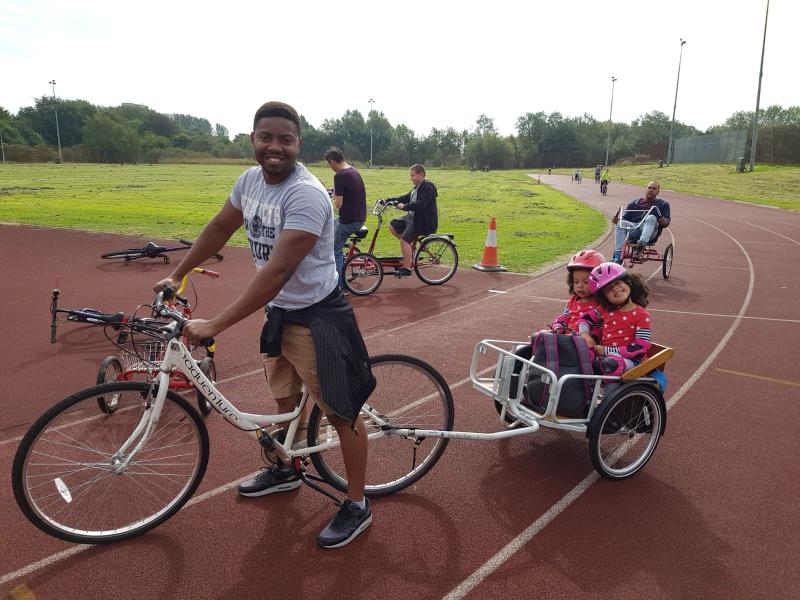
(129,254)
(65,478)
(363,273)
(436,260)
(666,266)
(409,394)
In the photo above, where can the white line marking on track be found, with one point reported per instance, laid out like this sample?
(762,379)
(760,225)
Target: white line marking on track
(534,528)
(688,264)
(765,229)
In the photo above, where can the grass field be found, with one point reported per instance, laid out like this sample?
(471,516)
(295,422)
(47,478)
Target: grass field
(773,186)
(535,224)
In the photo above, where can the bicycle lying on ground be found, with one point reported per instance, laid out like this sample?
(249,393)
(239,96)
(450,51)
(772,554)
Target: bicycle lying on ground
(151,250)
(434,259)
(92,476)
(141,348)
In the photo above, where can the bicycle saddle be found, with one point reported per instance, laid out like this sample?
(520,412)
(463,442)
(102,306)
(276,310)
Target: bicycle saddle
(152,250)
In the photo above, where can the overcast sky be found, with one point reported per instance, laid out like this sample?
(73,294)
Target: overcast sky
(426,64)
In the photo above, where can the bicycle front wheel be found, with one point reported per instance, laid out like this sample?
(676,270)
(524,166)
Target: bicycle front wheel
(409,394)
(67,477)
(436,260)
(363,273)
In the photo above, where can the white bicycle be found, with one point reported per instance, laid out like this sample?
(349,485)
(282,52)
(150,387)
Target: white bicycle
(90,476)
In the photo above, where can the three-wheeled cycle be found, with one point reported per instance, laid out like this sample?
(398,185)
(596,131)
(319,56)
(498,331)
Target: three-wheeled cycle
(435,258)
(636,254)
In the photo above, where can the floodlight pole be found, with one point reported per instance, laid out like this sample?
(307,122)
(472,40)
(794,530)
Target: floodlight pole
(674,106)
(608,141)
(58,132)
(758,96)
(2,147)
(371,102)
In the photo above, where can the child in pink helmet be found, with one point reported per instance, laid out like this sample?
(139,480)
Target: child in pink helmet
(581,299)
(621,315)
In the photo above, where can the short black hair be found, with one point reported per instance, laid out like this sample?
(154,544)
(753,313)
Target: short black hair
(334,154)
(277,109)
(639,291)
(418,169)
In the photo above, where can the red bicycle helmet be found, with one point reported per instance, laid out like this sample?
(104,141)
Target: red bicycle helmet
(604,274)
(586,259)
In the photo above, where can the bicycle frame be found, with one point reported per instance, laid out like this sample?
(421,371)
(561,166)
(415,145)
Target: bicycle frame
(177,357)
(630,225)
(498,387)
(378,209)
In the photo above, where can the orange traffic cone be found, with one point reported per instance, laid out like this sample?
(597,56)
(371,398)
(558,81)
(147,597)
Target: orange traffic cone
(489,260)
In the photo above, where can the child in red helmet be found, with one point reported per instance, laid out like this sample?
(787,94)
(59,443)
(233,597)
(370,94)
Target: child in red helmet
(621,315)
(581,299)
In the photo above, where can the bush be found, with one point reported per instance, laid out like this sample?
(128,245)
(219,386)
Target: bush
(40,153)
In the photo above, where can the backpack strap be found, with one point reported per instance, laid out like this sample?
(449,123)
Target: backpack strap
(545,346)
(550,343)
(585,361)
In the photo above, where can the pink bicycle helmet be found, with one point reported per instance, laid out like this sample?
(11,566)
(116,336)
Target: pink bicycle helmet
(586,259)
(604,274)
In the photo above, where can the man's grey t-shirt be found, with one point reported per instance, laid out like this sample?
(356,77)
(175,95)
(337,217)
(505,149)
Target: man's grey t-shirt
(301,203)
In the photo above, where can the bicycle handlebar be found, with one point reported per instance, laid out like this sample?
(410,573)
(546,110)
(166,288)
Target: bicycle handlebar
(160,309)
(185,280)
(623,210)
(381,205)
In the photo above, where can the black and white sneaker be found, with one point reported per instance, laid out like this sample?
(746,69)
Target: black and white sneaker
(269,481)
(346,525)
(402,272)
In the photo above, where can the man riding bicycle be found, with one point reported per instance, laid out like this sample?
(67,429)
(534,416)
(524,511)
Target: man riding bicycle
(639,224)
(422,217)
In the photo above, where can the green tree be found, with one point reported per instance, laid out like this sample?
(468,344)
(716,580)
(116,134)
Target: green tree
(484,125)
(72,116)
(191,124)
(108,140)
(221,131)
(381,131)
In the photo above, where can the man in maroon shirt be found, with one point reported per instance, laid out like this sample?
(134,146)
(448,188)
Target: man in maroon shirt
(350,198)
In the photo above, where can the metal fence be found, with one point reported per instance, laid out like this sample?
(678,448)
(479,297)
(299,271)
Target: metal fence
(722,147)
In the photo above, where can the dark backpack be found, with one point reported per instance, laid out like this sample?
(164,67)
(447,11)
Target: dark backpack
(562,354)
